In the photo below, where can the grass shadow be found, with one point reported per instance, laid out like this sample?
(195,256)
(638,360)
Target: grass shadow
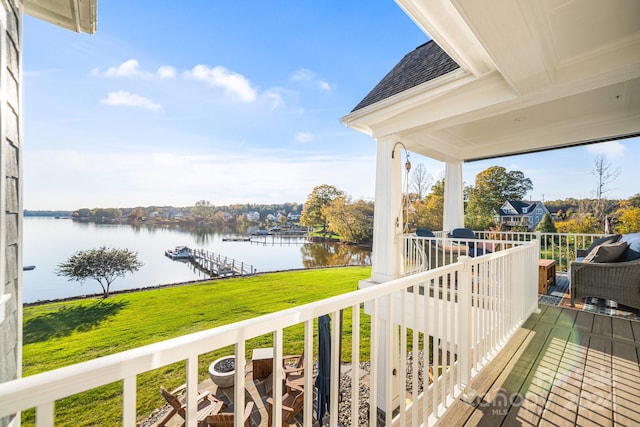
(68,320)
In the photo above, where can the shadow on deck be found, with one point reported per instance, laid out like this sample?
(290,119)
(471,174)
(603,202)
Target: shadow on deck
(562,367)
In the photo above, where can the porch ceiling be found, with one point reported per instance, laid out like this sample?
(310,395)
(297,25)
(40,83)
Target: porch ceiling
(533,76)
(74,15)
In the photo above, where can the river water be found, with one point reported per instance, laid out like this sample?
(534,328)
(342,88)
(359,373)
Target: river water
(50,241)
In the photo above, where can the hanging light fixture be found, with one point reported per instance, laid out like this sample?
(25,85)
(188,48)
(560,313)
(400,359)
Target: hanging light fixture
(407,208)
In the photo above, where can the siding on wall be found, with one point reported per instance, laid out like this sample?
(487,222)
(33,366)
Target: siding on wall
(10,191)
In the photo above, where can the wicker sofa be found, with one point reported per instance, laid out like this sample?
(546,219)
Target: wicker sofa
(617,280)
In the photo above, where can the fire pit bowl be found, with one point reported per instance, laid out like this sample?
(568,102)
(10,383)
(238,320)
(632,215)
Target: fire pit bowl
(222,371)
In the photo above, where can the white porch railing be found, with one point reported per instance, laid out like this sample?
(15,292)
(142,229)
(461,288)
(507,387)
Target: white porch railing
(423,253)
(469,309)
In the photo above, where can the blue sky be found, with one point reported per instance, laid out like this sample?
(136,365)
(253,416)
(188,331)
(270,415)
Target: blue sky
(231,102)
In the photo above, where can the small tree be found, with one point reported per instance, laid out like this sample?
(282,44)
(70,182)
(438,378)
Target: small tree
(320,196)
(102,264)
(546,225)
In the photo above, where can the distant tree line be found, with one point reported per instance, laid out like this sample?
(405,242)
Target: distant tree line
(202,212)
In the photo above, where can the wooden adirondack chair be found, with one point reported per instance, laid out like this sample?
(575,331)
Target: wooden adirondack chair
(291,371)
(227,419)
(207,404)
(292,403)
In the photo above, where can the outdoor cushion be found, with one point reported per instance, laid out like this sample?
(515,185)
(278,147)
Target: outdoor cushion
(462,233)
(633,250)
(424,232)
(608,252)
(603,240)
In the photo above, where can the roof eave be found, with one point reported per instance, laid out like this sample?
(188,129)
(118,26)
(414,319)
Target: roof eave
(76,15)
(364,119)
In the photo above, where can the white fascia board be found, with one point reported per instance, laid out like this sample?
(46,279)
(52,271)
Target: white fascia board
(364,119)
(473,97)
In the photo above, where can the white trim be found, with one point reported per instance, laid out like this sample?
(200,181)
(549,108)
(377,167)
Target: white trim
(4,298)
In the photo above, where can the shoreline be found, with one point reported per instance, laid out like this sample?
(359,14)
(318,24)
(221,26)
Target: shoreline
(171,285)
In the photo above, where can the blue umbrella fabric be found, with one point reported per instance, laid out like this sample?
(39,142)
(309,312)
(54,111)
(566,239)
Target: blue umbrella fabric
(323,380)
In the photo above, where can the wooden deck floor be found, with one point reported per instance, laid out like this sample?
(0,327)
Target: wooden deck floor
(563,367)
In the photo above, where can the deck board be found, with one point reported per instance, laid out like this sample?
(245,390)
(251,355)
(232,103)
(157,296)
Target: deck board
(626,388)
(622,329)
(563,367)
(561,406)
(602,326)
(635,327)
(584,321)
(595,405)
(567,318)
(535,390)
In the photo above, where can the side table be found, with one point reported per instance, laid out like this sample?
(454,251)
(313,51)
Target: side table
(262,360)
(546,275)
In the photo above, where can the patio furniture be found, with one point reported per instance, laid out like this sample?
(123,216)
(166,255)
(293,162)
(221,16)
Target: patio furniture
(292,403)
(468,235)
(546,275)
(293,368)
(227,419)
(291,373)
(435,254)
(424,232)
(609,271)
(207,405)
(262,360)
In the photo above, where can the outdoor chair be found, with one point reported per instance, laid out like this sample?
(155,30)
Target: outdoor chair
(291,371)
(435,254)
(207,404)
(424,232)
(602,272)
(292,403)
(468,235)
(227,419)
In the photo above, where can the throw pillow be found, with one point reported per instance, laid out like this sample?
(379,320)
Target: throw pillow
(633,251)
(608,252)
(603,240)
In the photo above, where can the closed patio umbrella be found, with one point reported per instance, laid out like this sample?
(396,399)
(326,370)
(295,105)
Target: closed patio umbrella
(323,380)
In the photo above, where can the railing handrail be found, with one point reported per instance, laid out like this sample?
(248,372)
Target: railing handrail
(24,392)
(42,390)
(558,246)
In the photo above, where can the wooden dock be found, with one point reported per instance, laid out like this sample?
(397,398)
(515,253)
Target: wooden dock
(217,265)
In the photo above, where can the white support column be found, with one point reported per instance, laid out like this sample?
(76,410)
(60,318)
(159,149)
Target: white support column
(388,212)
(386,262)
(453,216)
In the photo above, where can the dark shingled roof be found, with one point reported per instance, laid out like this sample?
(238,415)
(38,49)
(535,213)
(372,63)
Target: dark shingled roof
(425,63)
(519,206)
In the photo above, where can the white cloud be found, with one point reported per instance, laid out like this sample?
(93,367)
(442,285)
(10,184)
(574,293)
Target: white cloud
(233,83)
(608,149)
(131,68)
(166,72)
(124,98)
(275,97)
(305,75)
(304,137)
(324,85)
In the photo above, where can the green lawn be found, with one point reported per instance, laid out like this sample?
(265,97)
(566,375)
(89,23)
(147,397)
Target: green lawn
(64,333)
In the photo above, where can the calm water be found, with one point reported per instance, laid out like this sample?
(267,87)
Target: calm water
(49,241)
